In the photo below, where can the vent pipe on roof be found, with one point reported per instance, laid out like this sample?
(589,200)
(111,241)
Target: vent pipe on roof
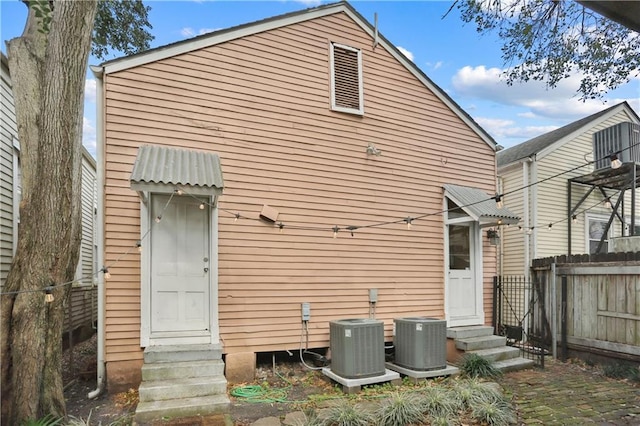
(375,29)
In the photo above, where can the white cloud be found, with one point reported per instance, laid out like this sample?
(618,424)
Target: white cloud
(90,90)
(207,30)
(309,3)
(406,53)
(190,32)
(507,129)
(187,32)
(89,135)
(560,102)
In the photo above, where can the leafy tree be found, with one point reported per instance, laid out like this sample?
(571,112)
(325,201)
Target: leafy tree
(549,40)
(48,65)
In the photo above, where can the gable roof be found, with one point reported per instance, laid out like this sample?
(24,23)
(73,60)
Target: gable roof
(537,144)
(221,36)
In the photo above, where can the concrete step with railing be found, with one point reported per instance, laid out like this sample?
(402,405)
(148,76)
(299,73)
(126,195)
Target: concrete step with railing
(480,340)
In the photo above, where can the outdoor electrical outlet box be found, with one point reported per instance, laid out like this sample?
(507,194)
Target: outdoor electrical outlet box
(306,311)
(373,295)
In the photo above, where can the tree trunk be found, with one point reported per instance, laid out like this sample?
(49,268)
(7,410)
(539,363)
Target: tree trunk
(48,70)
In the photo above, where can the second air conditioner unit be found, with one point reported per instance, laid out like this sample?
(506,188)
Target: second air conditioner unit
(357,347)
(622,139)
(420,343)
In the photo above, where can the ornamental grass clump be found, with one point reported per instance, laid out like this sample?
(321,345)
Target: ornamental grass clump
(400,409)
(473,365)
(346,414)
(495,413)
(438,401)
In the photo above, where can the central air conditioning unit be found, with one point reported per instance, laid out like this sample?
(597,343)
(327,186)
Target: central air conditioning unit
(622,139)
(420,343)
(357,347)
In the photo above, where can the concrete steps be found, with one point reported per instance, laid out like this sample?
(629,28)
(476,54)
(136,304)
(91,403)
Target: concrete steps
(481,341)
(180,381)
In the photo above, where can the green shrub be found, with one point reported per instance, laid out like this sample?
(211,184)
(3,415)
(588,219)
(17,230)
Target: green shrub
(473,365)
(346,414)
(439,401)
(495,413)
(400,409)
(47,420)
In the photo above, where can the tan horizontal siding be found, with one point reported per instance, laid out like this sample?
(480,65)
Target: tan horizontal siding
(262,104)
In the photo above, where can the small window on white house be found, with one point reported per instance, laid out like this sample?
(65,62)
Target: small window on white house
(595,229)
(346,79)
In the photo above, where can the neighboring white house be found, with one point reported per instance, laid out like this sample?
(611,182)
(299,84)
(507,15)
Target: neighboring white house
(10,191)
(533,165)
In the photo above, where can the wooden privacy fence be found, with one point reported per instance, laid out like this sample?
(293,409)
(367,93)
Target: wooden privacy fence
(593,303)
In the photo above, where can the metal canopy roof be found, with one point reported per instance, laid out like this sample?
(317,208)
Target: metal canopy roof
(479,205)
(162,169)
(616,179)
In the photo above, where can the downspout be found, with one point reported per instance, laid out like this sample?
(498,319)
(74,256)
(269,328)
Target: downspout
(534,210)
(525,211)
(100,368)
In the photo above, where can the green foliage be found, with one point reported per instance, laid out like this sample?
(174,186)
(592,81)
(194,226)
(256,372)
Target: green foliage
(549,40)
(438,401)
(47,420)
(310,418)
(497,412)
(346,414)
(621,371)
(442,421)
(122,26)
(42,9)
(473,365)
(399,409)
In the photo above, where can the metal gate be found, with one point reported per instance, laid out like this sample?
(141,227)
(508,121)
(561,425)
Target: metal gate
(519,314)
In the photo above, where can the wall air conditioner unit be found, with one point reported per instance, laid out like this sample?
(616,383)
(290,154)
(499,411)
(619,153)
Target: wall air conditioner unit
(622,139)
(420,343)
(357,347)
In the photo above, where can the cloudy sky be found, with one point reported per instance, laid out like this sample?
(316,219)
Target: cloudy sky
(467,66)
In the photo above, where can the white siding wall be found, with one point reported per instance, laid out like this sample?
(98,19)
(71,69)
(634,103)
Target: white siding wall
(8,130)
(513,239)
(86,267)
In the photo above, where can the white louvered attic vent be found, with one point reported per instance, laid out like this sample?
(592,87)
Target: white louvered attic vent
(346,79)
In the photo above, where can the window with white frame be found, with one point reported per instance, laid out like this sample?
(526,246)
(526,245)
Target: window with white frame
(346,79)
(596,226)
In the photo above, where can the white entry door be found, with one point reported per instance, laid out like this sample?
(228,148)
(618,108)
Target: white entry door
(180,265)
(464,289)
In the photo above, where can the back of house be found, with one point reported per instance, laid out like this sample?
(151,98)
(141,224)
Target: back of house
(299,159)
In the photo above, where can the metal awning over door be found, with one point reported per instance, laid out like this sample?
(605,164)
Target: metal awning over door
(479,205)
(160,169)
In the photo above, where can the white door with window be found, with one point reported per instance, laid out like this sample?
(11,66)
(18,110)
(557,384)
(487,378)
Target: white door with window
(180,305)
(464,285)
